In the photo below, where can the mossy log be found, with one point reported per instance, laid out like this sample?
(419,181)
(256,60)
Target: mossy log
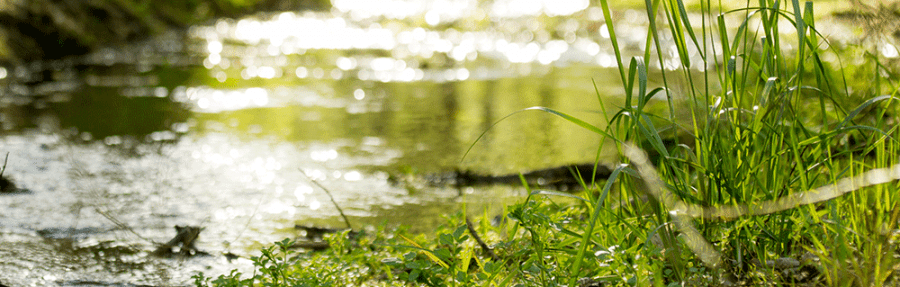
(563,177)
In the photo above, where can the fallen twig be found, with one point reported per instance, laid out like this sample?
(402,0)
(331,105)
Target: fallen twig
(347,221)
(477,238)
(122,225)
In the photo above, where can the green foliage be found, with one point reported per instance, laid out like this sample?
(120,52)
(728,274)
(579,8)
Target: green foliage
(763,157)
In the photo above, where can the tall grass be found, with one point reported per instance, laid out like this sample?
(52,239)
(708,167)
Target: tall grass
(768,122)
(765,157)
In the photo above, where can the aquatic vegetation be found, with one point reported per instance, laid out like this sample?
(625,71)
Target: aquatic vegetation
(786,177)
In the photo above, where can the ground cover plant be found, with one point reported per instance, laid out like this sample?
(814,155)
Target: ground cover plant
(769,166)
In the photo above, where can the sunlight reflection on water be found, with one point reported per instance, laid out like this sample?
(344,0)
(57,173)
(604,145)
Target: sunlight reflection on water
(416,53)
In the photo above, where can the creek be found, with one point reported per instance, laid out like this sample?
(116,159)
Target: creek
(226,125)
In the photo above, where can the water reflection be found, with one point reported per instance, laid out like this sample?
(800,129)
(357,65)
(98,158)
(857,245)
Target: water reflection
(468,39)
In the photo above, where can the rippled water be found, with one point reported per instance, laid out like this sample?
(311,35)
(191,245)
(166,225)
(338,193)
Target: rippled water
(225,125)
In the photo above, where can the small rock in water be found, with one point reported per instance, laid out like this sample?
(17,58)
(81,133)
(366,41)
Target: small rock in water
(184,238)
(7,185)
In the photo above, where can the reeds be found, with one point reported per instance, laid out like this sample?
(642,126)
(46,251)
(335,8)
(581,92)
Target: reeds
(767,171)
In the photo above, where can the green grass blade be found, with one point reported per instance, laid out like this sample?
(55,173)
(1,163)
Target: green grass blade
(689,28)
(573,120)
(565,116)
(801,36)
(586,237)
(642,81)
(629,84)
(607,16)
(849,118)
(652,135)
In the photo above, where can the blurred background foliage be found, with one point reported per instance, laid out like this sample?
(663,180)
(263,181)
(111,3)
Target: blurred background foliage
(52,29)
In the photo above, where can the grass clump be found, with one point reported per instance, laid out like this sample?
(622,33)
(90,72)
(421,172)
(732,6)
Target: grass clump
(769,170)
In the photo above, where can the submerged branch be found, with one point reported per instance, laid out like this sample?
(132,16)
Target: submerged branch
(122,225)
(341,211)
